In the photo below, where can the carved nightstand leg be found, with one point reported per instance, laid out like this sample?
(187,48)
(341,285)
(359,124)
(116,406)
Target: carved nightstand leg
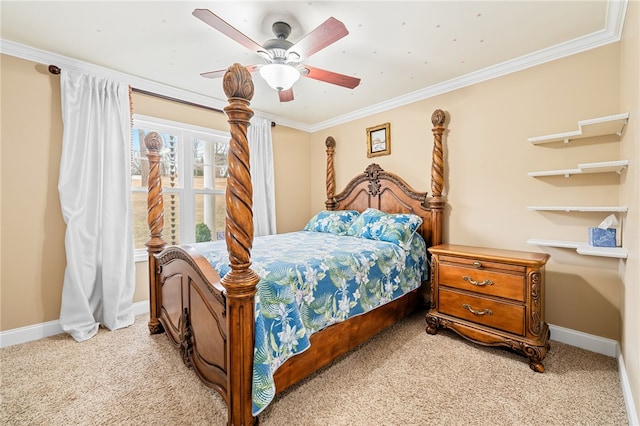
(432,324)
(536,354)
(536,366)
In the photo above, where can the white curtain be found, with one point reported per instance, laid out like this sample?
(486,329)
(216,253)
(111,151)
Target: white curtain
(94,187)
(261,163)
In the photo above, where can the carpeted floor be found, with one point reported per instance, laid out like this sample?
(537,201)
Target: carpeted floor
(403,376)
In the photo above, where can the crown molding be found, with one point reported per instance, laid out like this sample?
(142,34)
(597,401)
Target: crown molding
(64,62)
(616,14)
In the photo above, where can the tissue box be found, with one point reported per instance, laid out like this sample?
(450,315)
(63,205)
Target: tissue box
(602,237)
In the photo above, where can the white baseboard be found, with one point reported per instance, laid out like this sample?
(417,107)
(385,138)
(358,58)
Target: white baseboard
(140,308)
(29,333)
(632,414)
(46,329)
(590,342)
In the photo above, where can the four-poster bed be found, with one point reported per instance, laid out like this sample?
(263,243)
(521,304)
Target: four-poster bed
(213,320)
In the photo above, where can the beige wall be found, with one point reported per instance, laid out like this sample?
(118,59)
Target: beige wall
(32,226)
(292,178)
(487,158)
(630,195)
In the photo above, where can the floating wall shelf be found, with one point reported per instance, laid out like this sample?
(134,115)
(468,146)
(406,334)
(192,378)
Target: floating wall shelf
(583,248)
(601,126)
(580,208)
(585,168)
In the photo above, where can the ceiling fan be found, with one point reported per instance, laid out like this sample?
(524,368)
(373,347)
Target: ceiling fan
(283,58)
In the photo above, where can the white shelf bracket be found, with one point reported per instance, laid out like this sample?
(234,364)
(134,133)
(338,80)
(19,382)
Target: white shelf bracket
(624,124)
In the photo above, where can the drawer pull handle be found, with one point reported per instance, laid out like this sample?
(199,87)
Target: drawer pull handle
(474,312)
(476,283)
(477,264)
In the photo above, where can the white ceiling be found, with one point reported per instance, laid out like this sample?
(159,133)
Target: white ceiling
(402,51)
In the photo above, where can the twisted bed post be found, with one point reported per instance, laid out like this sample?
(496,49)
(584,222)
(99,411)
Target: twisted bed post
(437,201)
(330,143)
(155,220)
(240,283)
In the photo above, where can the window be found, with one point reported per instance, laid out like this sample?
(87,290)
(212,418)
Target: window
(193,167)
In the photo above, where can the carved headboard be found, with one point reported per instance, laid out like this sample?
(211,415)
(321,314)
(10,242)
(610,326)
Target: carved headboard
(388,192)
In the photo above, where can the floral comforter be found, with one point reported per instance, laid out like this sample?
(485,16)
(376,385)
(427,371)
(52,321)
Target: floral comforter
(310,280)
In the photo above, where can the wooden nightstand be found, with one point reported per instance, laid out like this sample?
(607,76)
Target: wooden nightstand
(491,297)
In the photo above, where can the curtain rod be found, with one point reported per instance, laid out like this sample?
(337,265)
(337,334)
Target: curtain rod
(53,69)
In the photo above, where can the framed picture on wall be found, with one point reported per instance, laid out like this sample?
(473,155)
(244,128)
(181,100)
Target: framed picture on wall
(379,140)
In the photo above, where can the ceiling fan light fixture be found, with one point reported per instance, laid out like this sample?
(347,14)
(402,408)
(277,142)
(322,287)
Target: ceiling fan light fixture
(279,76)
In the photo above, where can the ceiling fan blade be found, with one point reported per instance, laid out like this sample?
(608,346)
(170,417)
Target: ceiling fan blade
(331,77)
(286,95)
(220,73)
(210,18)
(325,34)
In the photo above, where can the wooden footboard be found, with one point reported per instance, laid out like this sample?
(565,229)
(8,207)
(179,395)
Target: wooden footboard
(193,311)
(211,320)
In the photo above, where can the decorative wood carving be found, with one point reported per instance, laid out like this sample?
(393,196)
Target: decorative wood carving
(372,172)
(373,175)
(432,292)
(535,353)
(186,341)
(535,323)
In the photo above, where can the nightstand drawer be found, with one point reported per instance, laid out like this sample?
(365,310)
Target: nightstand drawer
(484,264)
(491,313)
(509,286)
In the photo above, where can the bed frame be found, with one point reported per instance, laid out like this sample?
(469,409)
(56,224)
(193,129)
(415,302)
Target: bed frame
(211,320)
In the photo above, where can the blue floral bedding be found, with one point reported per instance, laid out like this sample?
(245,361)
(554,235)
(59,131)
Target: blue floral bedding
(310,280)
